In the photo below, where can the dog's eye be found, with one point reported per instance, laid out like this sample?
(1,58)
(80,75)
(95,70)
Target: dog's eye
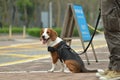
(48,32)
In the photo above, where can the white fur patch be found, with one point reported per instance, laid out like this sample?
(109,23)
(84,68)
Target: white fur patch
(50,42)
(45,33)
(53,43)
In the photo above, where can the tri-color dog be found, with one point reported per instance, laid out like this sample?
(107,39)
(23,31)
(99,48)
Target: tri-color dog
(61,51)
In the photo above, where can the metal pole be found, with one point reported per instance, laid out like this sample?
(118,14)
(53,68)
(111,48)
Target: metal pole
(94,52)
(86,56)
(24,31)
(50,14)
(10,31)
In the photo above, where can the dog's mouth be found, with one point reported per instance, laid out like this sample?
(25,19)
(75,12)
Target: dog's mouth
(45,40)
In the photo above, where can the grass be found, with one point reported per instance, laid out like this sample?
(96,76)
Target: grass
(36,31)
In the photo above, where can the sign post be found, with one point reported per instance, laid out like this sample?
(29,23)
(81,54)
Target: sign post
(81,22)
(75,16)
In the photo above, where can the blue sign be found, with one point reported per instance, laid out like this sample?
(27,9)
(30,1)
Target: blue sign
(81,20)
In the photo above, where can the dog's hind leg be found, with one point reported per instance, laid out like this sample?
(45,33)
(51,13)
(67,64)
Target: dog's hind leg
(66,70)
(61,66)
(73,66)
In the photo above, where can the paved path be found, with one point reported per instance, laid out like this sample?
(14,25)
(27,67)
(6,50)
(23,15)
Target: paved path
(47,76)
(28,59)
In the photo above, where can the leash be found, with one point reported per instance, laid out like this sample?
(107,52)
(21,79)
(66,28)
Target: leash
(98,19)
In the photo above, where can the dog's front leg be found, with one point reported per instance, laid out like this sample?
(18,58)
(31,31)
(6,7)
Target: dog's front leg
(53,68)
(54,61)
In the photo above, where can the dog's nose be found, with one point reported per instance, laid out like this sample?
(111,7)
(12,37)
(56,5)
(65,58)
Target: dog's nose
(43,37)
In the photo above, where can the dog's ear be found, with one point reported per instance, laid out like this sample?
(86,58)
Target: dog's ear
(53,34)
(41,31)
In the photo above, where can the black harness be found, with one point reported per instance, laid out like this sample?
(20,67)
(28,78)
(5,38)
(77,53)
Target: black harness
(60,47)
(65,52)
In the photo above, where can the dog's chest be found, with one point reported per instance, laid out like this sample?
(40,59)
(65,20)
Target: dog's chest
(55,42)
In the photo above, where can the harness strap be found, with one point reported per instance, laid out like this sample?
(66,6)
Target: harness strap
(61,45)
(51,49)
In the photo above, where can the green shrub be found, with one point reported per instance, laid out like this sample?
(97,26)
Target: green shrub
(17,29)
(4,30)
(14,30)
(75,32)
(58,30)
(34,32)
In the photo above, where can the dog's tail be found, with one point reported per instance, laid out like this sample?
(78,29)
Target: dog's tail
(88,71)
(91,71)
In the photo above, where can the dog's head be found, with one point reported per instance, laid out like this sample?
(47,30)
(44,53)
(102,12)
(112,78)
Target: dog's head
(48,34)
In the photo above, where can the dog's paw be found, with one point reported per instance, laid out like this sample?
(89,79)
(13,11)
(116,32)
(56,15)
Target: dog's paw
(50,71)
(67,71)
(61,70)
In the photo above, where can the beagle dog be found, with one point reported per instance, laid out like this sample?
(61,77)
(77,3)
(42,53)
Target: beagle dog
(61,51)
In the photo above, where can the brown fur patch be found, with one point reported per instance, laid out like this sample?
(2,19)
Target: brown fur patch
(54,57)
(53,34)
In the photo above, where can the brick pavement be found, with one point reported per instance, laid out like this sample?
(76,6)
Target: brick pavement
(30,70)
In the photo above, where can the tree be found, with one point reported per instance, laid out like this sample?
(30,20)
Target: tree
(26,8)
(5,17)
(27,12)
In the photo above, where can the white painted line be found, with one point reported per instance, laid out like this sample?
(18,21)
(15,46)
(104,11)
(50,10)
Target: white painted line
(97,52)
(103,60)
(15,45)
(42,71)
(25,60)
(18,45)
(14,72)
(38,71)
